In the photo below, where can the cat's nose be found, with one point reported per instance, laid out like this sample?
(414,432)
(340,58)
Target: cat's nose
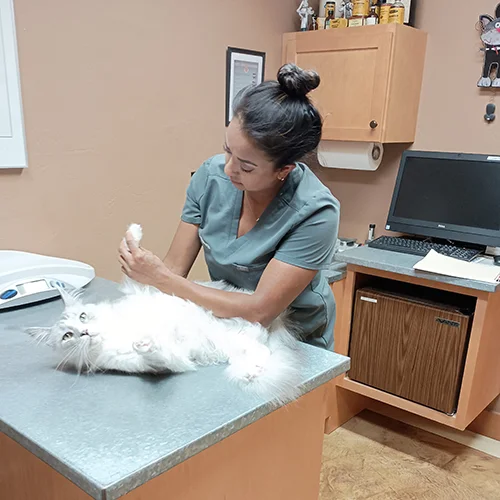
(85,332)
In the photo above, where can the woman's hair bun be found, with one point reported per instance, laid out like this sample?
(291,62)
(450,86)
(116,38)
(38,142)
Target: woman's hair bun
(297,82)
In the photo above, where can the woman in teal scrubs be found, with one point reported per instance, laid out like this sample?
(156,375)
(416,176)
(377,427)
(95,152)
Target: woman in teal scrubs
(265,221)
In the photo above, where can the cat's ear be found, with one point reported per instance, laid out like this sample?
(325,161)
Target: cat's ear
(497,12)
(40,334)
(71,297)
(485,19)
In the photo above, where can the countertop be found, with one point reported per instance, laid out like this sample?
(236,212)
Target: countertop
(401,263)
(336,272)
(110,433)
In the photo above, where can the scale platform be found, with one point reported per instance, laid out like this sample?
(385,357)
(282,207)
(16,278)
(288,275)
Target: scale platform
(27,278)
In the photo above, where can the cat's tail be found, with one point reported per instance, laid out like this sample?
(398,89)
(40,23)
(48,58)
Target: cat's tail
(272,373)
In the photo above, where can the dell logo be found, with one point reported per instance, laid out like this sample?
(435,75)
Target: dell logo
(448,322)
(441,226)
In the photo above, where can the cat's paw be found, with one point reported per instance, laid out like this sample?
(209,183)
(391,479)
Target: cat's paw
(252,373)
(484,82)
(495,82)
(250,366)
(144,346)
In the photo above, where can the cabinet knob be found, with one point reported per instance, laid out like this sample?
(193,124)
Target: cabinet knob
(373,124)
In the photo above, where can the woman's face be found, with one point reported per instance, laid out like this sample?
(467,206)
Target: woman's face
(248,167)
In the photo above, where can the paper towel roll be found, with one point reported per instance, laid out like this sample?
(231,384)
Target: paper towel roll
(350,155)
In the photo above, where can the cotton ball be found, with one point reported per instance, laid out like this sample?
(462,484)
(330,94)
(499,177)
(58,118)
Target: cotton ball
(136,231)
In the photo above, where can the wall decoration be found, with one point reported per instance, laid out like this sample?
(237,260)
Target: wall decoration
(243,67)
(490,112)
(490,36)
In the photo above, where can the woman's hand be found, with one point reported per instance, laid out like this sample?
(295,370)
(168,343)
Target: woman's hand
(141,265)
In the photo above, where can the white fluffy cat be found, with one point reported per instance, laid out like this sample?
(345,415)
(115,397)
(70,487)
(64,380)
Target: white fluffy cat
(147,331)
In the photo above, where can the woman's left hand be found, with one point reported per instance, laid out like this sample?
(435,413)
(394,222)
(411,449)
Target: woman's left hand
(140,264)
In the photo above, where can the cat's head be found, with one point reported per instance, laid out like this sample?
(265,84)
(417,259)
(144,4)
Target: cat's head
(75,335)
(491,28)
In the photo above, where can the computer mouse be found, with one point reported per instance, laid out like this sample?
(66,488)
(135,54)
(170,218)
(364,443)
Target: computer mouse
(496,260)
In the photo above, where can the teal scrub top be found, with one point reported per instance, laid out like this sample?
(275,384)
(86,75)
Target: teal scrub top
(299,227)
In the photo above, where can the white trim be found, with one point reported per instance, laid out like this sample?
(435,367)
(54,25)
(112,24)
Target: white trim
(12,137)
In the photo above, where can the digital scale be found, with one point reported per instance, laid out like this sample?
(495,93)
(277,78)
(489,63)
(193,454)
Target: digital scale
(28,278)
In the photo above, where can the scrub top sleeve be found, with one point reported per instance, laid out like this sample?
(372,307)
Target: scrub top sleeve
(311,243)
(191,212)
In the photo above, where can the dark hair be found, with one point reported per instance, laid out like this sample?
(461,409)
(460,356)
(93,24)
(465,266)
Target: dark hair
(279,117)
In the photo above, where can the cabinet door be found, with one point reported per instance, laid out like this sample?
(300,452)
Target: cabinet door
(12,143)
(354,72)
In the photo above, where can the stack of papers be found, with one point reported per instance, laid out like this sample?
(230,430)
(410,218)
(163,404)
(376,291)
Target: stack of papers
(437,263)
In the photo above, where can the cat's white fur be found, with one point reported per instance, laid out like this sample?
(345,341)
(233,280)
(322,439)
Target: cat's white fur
(147,331)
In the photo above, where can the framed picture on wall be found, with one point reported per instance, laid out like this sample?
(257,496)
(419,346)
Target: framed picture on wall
(243,67)
(410,7)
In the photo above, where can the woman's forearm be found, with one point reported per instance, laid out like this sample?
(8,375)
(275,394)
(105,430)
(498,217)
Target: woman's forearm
(183,250)
(222,303)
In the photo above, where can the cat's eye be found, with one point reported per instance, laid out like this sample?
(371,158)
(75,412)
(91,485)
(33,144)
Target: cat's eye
(83,317)
(497,25)
(67,335)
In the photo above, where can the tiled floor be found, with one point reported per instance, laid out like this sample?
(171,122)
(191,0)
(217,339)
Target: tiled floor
(377,458)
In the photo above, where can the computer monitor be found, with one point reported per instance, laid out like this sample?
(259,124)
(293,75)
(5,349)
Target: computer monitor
(449,196)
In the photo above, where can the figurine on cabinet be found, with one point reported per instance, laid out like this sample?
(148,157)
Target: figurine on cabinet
(304,11)
(490,36)
(347,9)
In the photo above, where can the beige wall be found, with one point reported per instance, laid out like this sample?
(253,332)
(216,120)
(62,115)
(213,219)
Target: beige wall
(450,116)
(122,99)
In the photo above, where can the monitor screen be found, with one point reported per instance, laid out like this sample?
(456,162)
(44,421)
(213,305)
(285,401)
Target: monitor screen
(453,196)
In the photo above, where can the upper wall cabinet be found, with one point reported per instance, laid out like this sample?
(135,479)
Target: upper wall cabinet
(371,78)
(12,141)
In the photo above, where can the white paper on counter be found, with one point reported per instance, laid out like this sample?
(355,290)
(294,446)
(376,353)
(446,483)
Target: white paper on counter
(437,263)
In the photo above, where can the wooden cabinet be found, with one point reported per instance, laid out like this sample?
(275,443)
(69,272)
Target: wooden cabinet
(409,347)
(471,367)
(371,78)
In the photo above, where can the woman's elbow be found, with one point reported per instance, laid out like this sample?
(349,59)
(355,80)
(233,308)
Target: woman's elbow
(259,314)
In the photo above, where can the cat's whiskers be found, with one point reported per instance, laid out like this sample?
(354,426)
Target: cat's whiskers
(66,357)
(90,366)
(82,356)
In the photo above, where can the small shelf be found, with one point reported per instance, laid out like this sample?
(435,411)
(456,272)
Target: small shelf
(403,404)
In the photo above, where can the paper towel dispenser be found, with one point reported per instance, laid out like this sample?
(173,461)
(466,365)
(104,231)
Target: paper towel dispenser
(350,155)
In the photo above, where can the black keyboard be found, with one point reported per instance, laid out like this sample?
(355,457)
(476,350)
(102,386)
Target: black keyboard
(420,247)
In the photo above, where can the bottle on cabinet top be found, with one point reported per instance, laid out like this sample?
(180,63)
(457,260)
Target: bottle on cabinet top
(372,17)
(385,9)
(330,15)
(361,9)
(376,4)
(330,6)
(397,13)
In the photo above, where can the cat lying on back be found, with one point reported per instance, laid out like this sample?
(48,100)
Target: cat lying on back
(147,331)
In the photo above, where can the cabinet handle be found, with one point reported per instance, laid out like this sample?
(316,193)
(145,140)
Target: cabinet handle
(373,124)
